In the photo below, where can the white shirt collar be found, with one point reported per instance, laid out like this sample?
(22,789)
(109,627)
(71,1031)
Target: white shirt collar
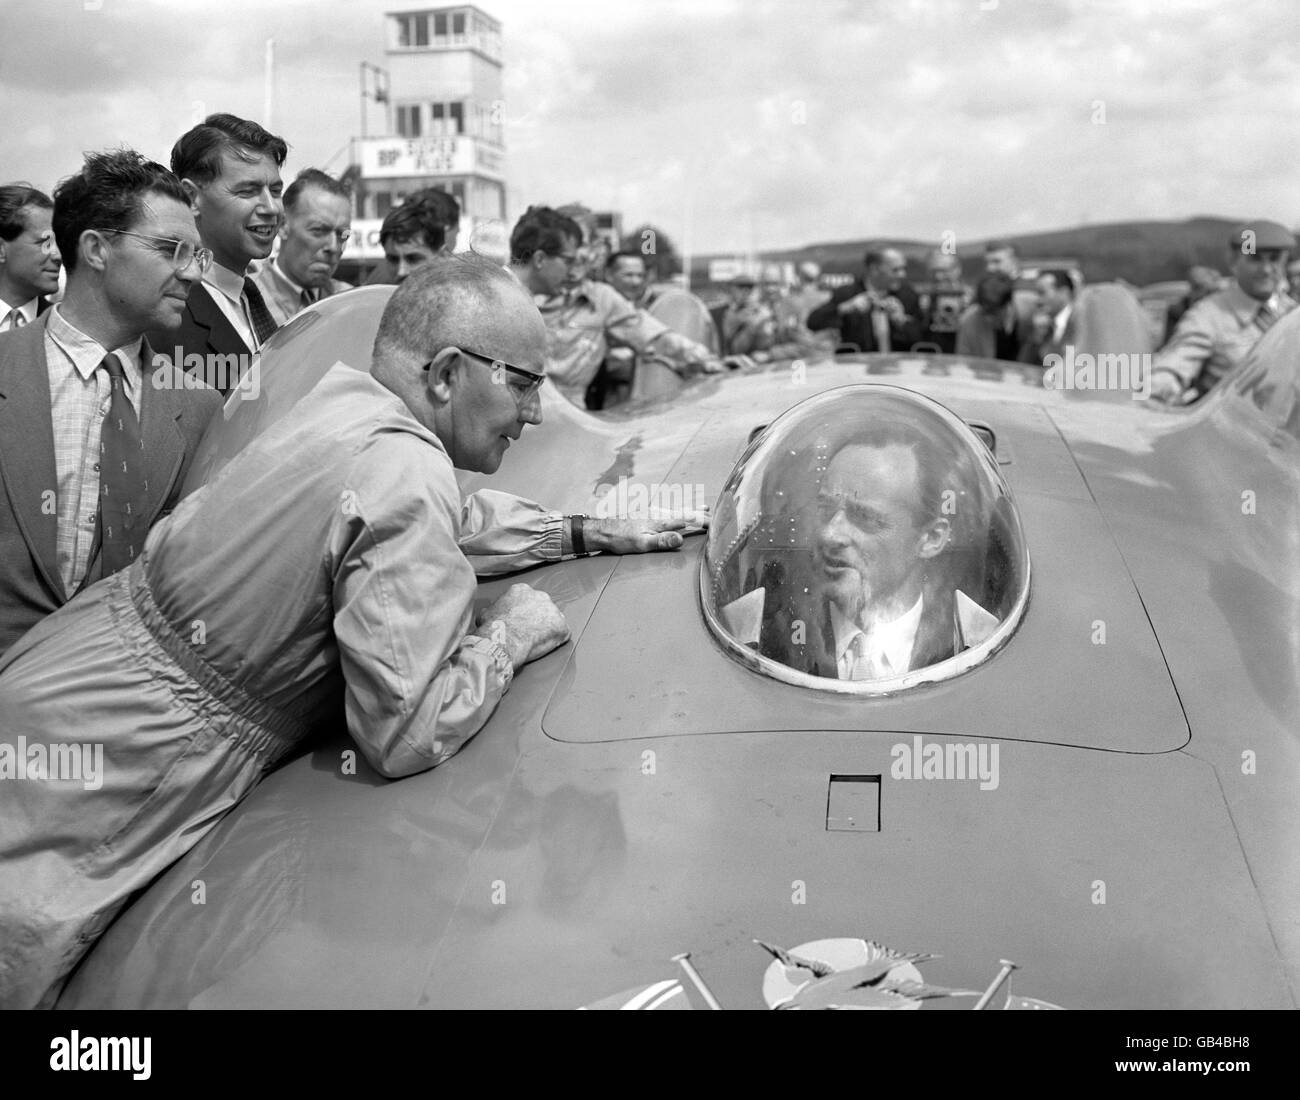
(1059,323)
(223,279)
(27,310)
(892,641)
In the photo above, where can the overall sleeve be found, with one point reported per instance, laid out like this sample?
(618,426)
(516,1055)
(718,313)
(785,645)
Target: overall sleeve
(501,533)
(628,326)
(1190,348)
(416,687)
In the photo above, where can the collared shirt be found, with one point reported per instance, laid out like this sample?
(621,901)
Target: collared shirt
(1058,324)
(80,394)
(581,325)
(228,293)
(284,297)
(884,650)
(1215,335)
(27,311)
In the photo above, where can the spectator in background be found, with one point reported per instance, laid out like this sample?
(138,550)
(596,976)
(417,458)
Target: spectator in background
(29,256)
(1202,281)
(878,312)
(944,302)
(626,272)
(808,295)
(317,224)
(747,325)
(991,328)
(1056,321)
(584,318)
(230,168)
(96,438)
(415,232)
(1217,332)
(1292,278)
(1001,257)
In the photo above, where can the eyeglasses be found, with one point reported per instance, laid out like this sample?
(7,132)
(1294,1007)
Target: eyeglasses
(522,394)
(182,255)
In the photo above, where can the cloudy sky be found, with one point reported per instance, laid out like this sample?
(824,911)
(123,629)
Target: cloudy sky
(734,124)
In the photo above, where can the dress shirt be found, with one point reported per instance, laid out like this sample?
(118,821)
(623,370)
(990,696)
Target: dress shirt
(27,310)
(582,323)
(80,394)
(884,650)
(1058,324)
(228,292)
(284,298)
(1215,334)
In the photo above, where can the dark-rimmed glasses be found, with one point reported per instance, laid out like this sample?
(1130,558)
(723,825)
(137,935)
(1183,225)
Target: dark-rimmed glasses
(522,394)
(183,253)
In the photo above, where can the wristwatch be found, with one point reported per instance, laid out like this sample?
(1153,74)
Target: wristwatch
(575,536)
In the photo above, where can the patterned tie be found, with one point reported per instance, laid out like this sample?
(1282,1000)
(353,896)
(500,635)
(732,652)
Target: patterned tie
(263,323)
(880,328)
(1265,318)
(15,319)
(121,479)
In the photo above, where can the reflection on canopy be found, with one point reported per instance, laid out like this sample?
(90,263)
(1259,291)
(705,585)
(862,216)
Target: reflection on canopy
(865,542)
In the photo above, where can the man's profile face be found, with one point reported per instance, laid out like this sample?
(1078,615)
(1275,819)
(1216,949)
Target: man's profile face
(888,273)
(627,276)
(554,272)
(486,412)
(1260,274)
(405,256)
(239,212)
(31,259)
(1001,260)
(869,550)
(1051,298)
(141,280)
(311,241)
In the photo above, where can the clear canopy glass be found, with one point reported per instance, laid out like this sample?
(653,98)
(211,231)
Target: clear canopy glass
(866,542)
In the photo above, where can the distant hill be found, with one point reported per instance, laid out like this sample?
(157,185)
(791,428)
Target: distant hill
(1139,252)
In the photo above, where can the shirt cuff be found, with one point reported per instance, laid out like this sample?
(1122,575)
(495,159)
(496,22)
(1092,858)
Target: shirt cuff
(497,652)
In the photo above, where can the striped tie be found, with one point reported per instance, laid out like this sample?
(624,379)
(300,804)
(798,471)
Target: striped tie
(121,479)
(1265,318)
(15,319)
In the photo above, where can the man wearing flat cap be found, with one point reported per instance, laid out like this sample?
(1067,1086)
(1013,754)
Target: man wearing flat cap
(1216,333)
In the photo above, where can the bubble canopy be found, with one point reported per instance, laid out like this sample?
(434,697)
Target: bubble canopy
(865,543)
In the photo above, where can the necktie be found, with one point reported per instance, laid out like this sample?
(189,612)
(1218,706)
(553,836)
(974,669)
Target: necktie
(880,327)
(1265,318)
(307,299)
(263,323)
(856,665)
(121,477)
(15,319)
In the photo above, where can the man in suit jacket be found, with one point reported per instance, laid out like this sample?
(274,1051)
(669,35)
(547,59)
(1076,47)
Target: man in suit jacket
(1057,320)
(879,312)
(230,168)
(991,328)
(29,256)
(317,224)
(79,389)
(883,594)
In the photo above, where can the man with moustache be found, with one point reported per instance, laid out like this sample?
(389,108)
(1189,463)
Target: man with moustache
(230,168)
(1216,333)
(317,224)
(95,439)
(29,256)
(331,566)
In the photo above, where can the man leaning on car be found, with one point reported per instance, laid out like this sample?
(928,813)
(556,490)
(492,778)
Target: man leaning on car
(332,563)
(1216,333)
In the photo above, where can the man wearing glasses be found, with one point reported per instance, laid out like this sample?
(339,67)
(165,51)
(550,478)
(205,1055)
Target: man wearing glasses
(95,439)
(584,318)
(329,566)
(317,225)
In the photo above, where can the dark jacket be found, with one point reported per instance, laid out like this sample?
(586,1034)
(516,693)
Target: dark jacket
(207,333)
(855,328)
(172,421)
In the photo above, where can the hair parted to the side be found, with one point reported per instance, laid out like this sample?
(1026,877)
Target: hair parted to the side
(196,156)
(424,217)
(314,177)
(544,229)
(14,199)
(427,310)
(107,194)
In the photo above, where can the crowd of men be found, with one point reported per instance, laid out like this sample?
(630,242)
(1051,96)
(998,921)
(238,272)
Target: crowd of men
(173,283)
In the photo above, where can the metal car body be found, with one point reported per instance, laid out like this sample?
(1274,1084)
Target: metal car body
(640,793)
